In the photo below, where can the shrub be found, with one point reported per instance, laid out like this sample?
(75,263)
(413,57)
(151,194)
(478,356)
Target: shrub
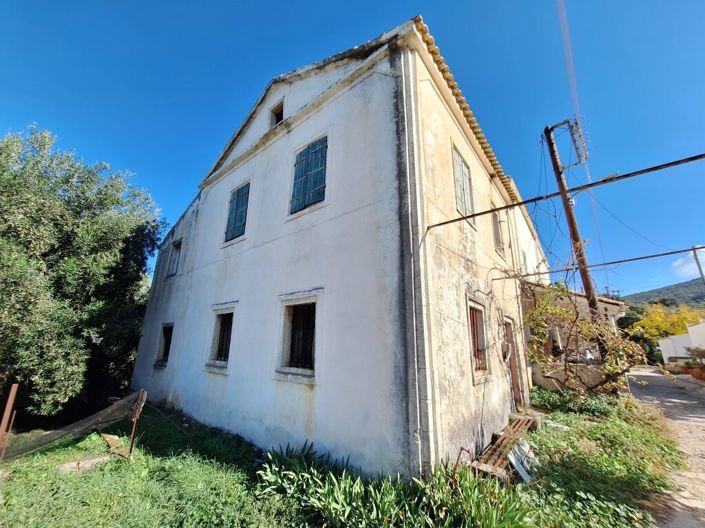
(572,401)
(594,472)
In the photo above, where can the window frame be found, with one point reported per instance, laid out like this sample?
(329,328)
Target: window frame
(312,206)
(467,191)
(272,117)
(479,375)
(500,245)
(213,364)
(227,241)
(283,371)
(161,361)
(176,245)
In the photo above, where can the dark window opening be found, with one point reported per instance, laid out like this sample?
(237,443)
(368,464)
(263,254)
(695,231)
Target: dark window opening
(477,338)
(224,329)
(167,332)
(277,114)
(237,212)
(309,176)
(302,318)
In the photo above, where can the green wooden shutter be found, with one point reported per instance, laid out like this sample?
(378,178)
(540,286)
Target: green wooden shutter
(309,176)
(237,212)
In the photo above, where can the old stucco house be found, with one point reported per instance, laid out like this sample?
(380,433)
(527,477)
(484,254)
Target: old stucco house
(302,294)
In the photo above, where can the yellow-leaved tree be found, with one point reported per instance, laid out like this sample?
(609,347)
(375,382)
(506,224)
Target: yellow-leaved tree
(659,321)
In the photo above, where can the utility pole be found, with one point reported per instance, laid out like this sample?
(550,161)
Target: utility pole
(697,261)
(575,239)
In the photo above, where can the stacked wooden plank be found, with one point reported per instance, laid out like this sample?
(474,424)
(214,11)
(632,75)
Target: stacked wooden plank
(494,459)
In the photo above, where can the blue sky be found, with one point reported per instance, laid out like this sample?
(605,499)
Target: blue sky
(158,87)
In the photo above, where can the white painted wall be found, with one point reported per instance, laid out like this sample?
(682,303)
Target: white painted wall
(675,346)
(348,250)
(347,247)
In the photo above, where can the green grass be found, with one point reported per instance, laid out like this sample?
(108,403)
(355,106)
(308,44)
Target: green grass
(185,474)
(614,456)
(181,476)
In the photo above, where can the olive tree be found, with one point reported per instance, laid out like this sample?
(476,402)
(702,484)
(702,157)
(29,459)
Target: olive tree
(75,239)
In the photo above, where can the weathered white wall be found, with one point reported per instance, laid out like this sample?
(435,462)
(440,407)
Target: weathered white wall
(675,346)
(348,247)
(460,260)
(296,94)
(697,334)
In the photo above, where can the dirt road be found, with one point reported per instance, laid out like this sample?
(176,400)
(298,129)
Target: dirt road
(683,403)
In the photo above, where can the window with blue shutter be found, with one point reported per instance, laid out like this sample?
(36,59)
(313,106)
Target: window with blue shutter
(237,212)
(309,176)
(463,185)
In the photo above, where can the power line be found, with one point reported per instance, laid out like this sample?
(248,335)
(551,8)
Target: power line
(609,179)
(610,263)
(631,228)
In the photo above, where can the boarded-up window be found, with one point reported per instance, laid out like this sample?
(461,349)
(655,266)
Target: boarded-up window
(497,231)
(237,212)
(224,330)
(174,257)
(476,327)
(302,321)
(463,185)
(309,176)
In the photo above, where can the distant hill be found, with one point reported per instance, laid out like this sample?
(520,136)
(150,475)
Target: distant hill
(689,292)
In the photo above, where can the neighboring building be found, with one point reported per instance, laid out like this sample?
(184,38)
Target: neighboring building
(674,348)
(302,294)
(546,375)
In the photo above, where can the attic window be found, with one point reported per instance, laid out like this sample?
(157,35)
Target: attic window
(277,114)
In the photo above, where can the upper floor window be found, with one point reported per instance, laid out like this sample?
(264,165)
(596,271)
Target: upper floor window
(497,231)
(237,212)
(276,114)
(174,257)
(463,185)
(309,176)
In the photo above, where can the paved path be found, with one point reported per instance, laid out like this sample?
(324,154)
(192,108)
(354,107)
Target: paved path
(683,403)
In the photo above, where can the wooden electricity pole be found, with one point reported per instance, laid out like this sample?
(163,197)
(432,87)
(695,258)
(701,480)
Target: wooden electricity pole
(697,261)
(575,239)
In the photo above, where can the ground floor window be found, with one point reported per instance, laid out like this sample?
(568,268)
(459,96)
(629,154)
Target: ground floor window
(221,342)
(301,322)
(300,311)
(476,327)
(165,343)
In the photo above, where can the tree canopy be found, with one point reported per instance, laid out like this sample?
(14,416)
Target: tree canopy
(75,240)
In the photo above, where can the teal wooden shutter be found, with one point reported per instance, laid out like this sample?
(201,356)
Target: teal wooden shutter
(309,176)
(237,212)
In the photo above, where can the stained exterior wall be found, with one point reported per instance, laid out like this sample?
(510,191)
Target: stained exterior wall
(460,263)
(345,250)
(395,386)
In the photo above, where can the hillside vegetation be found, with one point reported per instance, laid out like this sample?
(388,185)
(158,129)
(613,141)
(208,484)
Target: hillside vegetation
(689,292)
